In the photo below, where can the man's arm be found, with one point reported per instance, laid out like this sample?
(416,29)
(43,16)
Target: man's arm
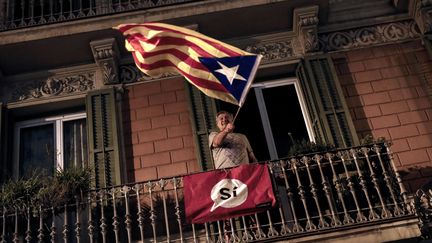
(218,139)
(252,158)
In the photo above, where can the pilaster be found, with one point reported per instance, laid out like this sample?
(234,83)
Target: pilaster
(306,27)
(421,11)
(105,53)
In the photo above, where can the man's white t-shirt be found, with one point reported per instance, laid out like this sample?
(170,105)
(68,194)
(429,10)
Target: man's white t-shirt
(233,151)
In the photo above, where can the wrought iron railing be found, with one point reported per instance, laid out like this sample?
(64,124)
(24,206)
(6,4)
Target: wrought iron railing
(423,201)
(316,193)
(27,13)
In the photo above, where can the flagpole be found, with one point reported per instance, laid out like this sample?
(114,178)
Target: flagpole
(235,116)
(248,85)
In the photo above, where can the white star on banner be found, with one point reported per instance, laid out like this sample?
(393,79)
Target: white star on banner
(230,73)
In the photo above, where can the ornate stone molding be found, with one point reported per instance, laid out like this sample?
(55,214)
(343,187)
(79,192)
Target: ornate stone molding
(275,50)
(367,36)
(53,86)
(301,41)
(105,53)
(131,74)
(306,28)
(421,10)
(286,45)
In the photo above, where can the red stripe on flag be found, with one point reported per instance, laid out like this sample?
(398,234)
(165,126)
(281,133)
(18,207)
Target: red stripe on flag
(213,43)
(203,83)
(173,51)
(160,28)
(168,40)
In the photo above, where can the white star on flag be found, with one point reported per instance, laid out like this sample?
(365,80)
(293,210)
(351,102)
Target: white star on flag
(230,73)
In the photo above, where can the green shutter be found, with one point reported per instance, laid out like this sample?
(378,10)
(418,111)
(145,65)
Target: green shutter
(427,40)
(331,120)
(203,111)
(102,137)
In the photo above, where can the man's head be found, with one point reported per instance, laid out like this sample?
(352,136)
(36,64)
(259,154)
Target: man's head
(222,119)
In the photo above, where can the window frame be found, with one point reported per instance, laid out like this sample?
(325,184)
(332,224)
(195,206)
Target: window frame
(57,122)
(258,88)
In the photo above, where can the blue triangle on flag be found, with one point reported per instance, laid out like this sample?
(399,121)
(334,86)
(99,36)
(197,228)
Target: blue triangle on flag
(233,72)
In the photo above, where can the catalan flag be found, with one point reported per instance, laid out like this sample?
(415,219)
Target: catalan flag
(219,70)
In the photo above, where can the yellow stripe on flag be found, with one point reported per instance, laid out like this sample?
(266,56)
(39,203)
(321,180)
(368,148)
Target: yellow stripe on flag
(149,34)
(198,73)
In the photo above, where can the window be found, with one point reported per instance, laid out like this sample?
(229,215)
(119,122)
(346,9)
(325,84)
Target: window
(87,134)
(50,143)
(273,118)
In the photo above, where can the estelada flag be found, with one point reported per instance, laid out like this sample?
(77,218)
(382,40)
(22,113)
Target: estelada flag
(217,69)
(229,193)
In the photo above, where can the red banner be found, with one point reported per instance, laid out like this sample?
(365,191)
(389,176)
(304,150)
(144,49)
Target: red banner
(223,194)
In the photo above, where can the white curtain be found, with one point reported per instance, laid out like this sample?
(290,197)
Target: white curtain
(74,143)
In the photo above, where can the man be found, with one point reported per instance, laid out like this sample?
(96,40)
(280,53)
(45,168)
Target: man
(228,148)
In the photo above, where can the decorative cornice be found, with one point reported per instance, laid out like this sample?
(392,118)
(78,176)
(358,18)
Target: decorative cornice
(275,50)
(306,28)
(286,46)
(105,53)
(367,36)
(131,74)
(421,11)
(301,41)
(53,86)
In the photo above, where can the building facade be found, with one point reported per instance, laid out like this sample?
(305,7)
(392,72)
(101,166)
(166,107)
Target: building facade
(339,72)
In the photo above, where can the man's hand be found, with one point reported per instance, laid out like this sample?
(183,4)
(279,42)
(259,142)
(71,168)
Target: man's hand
(218,139)
(229,128)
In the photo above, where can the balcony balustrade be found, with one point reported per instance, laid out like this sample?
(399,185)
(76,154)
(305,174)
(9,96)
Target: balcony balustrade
(316,193)
(27,13)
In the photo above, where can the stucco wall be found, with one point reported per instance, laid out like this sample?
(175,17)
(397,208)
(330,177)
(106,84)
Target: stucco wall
(385,88)
(158,133)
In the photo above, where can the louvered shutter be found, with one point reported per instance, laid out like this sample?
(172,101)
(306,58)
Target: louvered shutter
(427,40)
(331,120)
(203,111)
(102,137)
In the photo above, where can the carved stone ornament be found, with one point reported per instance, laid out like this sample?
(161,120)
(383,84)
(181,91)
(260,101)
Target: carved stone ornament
(54,86)
(306,27)
(131,74)
(360,37)
(276,50)
(105,54)
(288,47)
(109,72)
(421,10)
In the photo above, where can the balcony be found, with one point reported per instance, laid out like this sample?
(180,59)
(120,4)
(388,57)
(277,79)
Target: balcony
(354,192)
(22,14)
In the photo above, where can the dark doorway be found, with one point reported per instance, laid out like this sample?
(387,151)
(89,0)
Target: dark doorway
(272,117)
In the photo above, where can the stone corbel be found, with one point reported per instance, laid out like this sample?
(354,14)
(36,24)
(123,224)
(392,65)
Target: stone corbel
(421,11)
(306,27)
(105,53)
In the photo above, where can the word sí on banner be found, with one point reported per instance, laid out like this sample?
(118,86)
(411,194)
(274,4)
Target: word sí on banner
(223,194)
